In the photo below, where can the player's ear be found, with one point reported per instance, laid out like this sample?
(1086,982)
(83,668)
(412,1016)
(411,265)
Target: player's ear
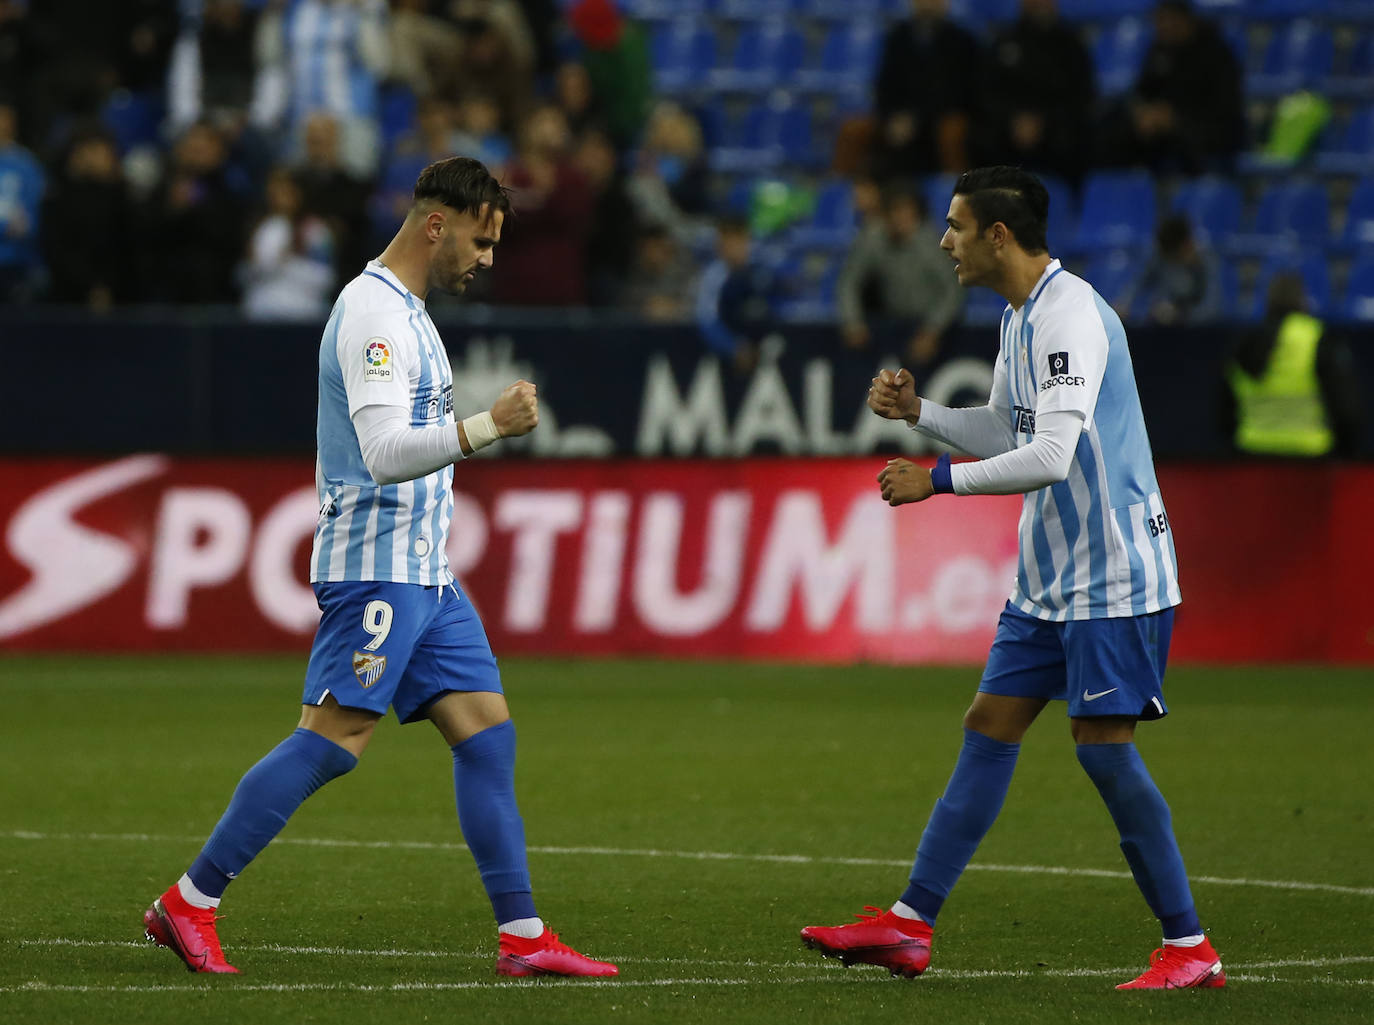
(435,225)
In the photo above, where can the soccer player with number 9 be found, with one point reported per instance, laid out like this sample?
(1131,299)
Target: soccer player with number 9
(396,630)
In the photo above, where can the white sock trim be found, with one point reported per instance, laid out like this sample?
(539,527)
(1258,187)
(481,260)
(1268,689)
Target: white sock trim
(903,911)
(193,896)
(1185,941)
(525,928)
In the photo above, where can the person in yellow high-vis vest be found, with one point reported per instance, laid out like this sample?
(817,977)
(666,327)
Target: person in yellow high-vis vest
(1290,386)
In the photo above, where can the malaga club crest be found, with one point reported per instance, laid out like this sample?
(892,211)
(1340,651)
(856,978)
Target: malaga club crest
(368,668)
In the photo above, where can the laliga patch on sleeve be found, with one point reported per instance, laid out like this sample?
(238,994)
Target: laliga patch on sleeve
(377,360)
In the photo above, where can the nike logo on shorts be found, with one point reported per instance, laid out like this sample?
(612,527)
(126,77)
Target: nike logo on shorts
(1099,694)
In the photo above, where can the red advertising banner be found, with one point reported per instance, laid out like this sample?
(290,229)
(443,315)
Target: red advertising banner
(786,559)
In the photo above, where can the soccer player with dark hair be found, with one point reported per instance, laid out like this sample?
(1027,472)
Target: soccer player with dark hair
(1090,613)
(396,630)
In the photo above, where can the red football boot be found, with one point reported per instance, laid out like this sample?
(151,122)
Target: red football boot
(1181,968)
(901,945)
(545,955)
(188,931)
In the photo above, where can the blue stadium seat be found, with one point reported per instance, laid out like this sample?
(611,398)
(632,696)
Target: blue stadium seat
(1348,148)
(833,222)
(1213,205)
(1359,292)
(1299,55)
(1358,233)
(134,119)
(396,113)
(1352,73)
(977,15)
(1103,10)
(753,9)
(682,52)
(772,131)
(982,308)
(1118,212)
(848,60)
(1289,215)
(1063,219)
(810,280)
(1281,9)
(1118,54)
(766,54)
(1316,279)
(1230,291)
(843,10)
(936,190)
(1112,273)
(664,10)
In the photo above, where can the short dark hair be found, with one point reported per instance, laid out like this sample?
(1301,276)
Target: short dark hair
(463,184)
(1174,231)
(1015,197)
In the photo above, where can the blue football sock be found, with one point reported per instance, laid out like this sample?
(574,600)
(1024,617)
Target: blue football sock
(1147,835)
(268,795)
(484,783)
(961,819)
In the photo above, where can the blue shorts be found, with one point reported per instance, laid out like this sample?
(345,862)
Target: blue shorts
(1099,666)
(381,644)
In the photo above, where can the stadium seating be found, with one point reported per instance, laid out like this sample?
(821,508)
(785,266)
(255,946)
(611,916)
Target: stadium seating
(833,223)
(1118,212)
(776,129)
(1359,292)
(1348,146)
(1103,10)
(848,55)
(1358,231)
(1118,53)
(683,53)
(766,54)
(1289,215)
(1213,207)
(1298,56)
(1112,273)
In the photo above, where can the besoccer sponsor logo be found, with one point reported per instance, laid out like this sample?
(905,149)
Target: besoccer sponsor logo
(368,668)
(1059,372)
(377,356)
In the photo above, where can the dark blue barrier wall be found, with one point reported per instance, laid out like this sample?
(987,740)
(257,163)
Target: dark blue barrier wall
(205,383)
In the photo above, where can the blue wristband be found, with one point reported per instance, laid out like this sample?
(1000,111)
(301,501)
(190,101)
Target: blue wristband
(940,478)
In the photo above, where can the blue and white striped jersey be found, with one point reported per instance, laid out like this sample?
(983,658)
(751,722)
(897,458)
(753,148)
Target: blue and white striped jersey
(1097,545)
(380,348)
(326,52)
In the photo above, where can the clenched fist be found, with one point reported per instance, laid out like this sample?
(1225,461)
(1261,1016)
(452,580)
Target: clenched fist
(516,412)
(893,395)
(902,481)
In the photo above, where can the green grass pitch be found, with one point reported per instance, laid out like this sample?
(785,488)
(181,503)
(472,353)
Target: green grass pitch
(685,820)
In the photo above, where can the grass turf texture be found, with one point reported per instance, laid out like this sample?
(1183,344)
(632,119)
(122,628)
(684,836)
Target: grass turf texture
(116,769)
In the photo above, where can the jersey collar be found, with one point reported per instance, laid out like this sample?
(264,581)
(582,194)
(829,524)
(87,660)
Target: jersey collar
(377,269)
(1050,271)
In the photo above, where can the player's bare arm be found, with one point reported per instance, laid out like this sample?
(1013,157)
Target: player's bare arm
(893,395)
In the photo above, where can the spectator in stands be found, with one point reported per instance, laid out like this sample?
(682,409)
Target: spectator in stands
(610,243)
(1185,113)
(478,133)
(193,228)
(22,183)
(661,281)
(737,296)
(89,201)
(924,93)
(616,56)
(334,194)
(572,92)
(543,252)
(289,270)
(895,270)
(668,184)
(497,59)
(327,56)
(1038,90)
(1181,284)
(424,47)
(212,64)
(18,53)
(1290,384)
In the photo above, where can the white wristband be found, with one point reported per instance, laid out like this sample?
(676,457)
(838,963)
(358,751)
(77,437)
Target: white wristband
(481,430)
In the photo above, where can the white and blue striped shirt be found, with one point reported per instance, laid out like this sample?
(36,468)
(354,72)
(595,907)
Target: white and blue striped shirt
(1098,544)
(380,348)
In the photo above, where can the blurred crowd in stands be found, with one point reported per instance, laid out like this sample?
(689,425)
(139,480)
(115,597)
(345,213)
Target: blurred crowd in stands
(724,161)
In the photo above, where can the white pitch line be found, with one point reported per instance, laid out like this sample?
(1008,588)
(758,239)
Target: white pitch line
(653,852)
(806,965)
